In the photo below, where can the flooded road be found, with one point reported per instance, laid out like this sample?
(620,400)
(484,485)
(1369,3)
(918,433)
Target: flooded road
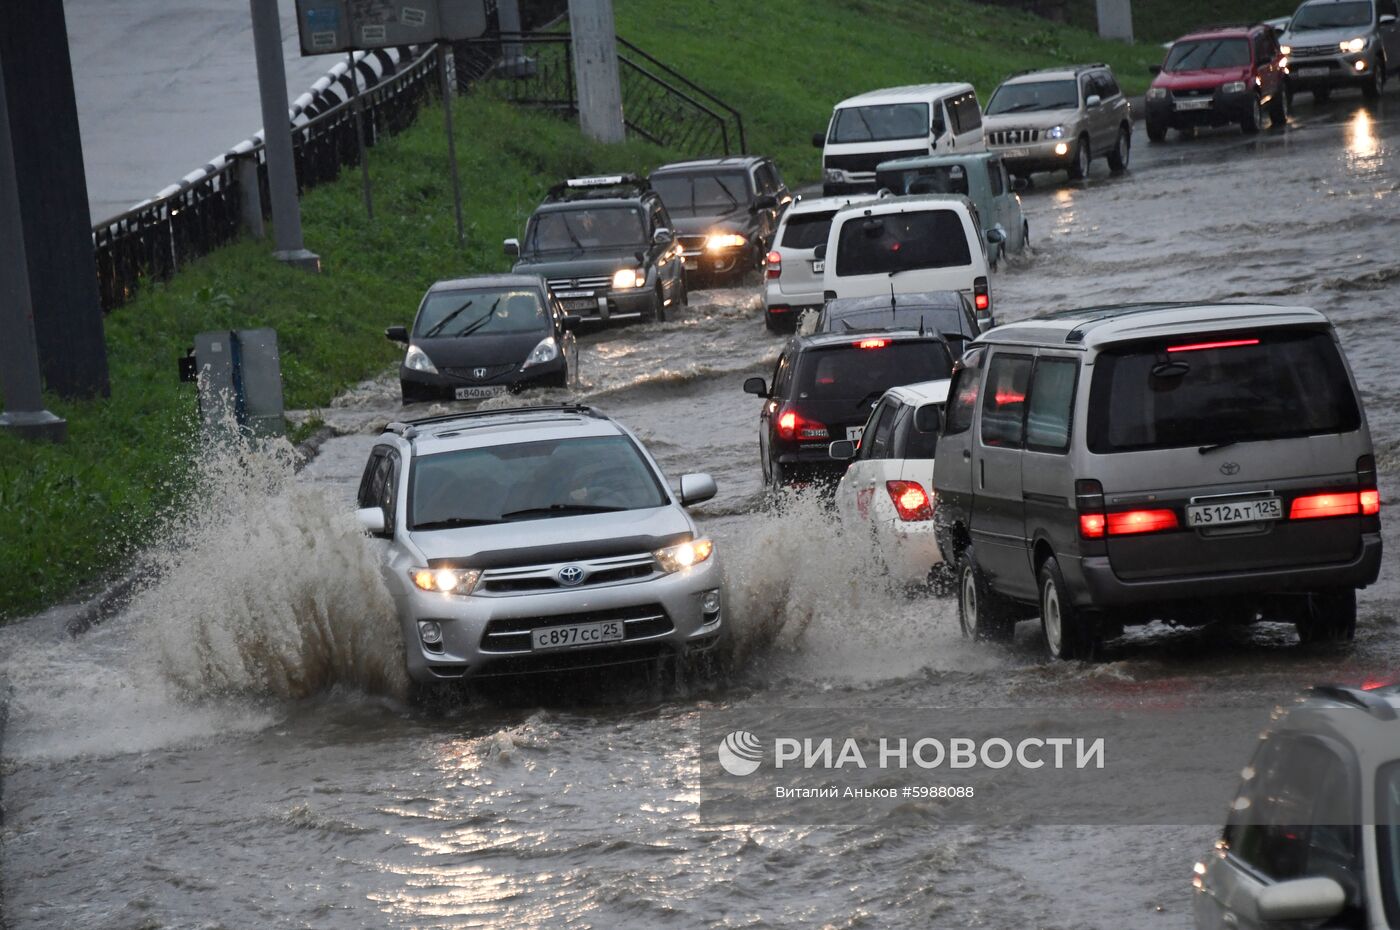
(232,751)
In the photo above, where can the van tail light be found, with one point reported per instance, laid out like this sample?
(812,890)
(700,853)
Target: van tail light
(911,501)
(981,296)
(793,425)
(1336,504)
(1088,499)
(775,264)
(1132,522)
(1366,480)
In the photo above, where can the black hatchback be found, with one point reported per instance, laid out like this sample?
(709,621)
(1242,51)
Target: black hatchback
(475,338)
(823,389)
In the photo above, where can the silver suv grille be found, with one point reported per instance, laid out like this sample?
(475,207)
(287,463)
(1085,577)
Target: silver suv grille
(536,579)
(580,284)
(1314,51)
(1012,136)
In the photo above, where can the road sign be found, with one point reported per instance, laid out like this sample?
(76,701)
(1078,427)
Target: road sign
(327,26)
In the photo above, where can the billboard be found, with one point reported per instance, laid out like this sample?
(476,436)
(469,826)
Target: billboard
(327,26)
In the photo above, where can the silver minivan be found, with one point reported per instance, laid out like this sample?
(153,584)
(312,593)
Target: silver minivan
(1183,462)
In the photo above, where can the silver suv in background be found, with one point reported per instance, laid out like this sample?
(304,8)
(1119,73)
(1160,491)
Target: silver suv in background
(1181,462)
(793,279)
(1341,43)
(1060,119)
(536,539)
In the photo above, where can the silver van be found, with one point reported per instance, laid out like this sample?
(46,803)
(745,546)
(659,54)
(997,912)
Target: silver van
(1185,462)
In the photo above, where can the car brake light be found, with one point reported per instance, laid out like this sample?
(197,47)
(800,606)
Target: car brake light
(872,343)
(911,501)
(1370,503)
(1088,499)
(793,425)
(1132,522)
(1366,480)
(775,264)
(1091,525)
(981,296)
(1313,506)
(1202,346)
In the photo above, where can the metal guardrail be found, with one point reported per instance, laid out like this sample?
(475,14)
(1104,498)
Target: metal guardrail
(659,104)
(153,240)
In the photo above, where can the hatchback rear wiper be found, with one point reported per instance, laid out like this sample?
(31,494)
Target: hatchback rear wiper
(453,522)
(558,510)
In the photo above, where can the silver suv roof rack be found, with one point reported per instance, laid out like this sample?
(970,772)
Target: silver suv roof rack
(408,429)
(1369,701)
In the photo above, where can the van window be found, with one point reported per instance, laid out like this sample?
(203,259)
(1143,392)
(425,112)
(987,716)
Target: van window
(845,372)
(964,113)
(902,242)
(1051,405)
(1004,404)
(934,179)
(994,178)
(807,230)
(962,394)
(879,123)
(1204,390)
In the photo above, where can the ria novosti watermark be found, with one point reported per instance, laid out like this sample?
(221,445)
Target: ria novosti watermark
(741,753)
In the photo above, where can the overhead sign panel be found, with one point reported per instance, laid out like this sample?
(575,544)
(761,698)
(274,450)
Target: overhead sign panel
(327,26)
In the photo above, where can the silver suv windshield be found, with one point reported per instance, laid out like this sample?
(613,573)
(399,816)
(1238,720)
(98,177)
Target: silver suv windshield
(531,481)
(1332,15)
(1035,95)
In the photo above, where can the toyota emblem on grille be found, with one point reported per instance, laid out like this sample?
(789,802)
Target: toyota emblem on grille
(570,575)
(478,373)
(574,283)
(1230,468)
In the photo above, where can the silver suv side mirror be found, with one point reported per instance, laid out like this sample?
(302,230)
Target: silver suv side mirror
(1301,899)
(1093,100)
(662,236)
(512,247)
(696,489)
(372,519)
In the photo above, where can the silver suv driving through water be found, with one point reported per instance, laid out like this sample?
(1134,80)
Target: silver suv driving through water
(537,539)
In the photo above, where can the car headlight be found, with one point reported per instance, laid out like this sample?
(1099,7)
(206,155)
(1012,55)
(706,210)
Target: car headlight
(675,558)
(718,242)
(1286,49)
(546,351)
(834,175)
(629,277)
(1055,132)
(417,360)
(459,581)
(1234,87)
(1353,45)
(1156,93)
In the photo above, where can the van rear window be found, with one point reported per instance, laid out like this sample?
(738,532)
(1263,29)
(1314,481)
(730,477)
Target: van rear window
(807,230)
(849,372)
(1210,389)
(897,242)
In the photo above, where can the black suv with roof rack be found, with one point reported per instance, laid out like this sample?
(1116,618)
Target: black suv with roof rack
(823,389)
(726,211)
(605,247)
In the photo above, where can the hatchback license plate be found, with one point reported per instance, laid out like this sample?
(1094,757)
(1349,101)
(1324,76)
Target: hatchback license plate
(1313,72)
(1193,104)
(576,634)
(479,393)
(1227,512)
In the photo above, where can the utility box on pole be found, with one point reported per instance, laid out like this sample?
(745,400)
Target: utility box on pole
(1116,19)
(595,70)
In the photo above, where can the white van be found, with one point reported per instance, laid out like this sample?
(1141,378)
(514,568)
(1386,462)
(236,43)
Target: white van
(897,122)
(908,245)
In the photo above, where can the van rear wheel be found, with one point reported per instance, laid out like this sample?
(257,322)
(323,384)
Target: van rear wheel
(982,613)
(1069,632)
(1328,617)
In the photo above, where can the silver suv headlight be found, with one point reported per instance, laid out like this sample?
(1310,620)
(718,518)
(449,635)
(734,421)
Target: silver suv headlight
(458,581)
(1055,132)
(1353,45)
(675,558)
(546,351)
(416,359)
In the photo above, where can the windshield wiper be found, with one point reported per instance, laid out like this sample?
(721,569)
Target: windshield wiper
(480,321)
(558,510)
(1217,445)
(437,327)
(568,228)
(452,522)
(733,201)
(1018,107)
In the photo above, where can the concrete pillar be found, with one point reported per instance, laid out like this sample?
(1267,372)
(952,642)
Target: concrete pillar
(24,412)
(277,137)
(47,149)
(250,197)
(1116,19)
(595,70)
(508,18)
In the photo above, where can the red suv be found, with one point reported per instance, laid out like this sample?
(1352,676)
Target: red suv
(1218,76)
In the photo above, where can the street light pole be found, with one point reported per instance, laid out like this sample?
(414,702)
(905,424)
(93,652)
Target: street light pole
(24,414)
(277,138)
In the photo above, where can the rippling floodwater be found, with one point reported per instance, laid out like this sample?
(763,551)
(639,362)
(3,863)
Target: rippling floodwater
(232,751)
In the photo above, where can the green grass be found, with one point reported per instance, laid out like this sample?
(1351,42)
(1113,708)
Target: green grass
(784,64)
(71,514)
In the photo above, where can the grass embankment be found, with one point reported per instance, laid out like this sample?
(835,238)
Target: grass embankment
(69,514)
(785,64)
